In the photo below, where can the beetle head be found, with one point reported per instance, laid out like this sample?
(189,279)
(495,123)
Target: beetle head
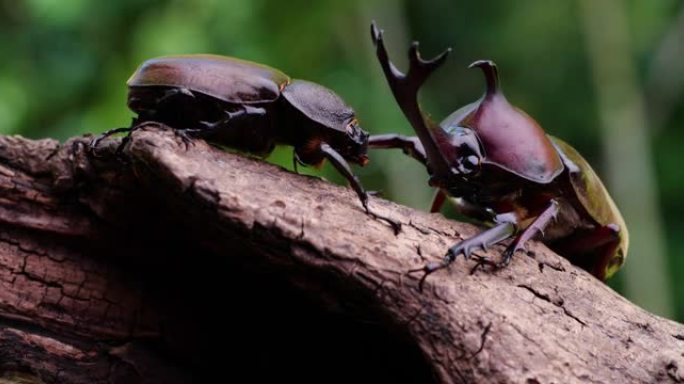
(352,144)
(464,150)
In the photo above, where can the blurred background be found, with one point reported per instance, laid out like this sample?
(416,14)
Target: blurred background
(607,76)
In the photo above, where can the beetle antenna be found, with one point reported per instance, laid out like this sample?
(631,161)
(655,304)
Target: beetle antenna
(491,74)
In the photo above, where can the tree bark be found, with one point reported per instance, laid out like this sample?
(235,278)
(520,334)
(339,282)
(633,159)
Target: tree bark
(175,264)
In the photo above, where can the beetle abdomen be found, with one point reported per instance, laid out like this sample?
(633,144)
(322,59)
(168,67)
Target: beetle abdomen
(590,191)
(596,201)
(174,108)
(195,111)
(225,78)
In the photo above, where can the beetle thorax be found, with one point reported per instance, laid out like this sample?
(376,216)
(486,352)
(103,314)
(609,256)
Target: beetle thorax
(326,118)
(514,141)
(510,138)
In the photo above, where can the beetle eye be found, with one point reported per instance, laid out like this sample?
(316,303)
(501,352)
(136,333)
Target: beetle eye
(467,149)
(351,127)
(472,161)
(468,164)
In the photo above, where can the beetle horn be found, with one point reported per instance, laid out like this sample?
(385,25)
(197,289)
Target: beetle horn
(405,88)
(419,68)
(491,74)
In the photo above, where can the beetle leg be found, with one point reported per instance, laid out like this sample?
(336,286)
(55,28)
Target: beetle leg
(472,210)
(438,200)
(462,206)
(209,127)
(484,240)
(184,136)
(296,161)
(126,139)
(537,227)
(173,92)
(343,167)
(96,141)
(410,145)
(247,111)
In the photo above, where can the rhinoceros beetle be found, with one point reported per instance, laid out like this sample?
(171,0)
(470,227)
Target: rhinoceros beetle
(249,107)
(499,165)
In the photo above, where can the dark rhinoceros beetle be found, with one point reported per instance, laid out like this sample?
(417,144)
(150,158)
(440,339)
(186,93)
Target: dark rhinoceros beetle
(249,107)
(499,166)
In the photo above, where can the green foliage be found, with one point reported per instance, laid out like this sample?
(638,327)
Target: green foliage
(65,64)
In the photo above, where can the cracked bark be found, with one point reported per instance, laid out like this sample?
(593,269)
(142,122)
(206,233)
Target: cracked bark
(173,265)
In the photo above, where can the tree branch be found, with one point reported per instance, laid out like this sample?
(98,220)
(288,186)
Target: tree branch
(171,264)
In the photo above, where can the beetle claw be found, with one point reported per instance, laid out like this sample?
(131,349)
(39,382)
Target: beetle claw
(96,141)
(480,262)
(121,146)
(185,137)
(467,253)
(396,226)
(451,254)
(465,247)
(428,269)
(506,257)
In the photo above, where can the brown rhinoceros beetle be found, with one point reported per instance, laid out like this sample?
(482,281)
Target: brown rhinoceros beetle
(499,166)
(249,107)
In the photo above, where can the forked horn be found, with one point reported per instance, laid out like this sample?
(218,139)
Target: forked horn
(406,85)
(405,88)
